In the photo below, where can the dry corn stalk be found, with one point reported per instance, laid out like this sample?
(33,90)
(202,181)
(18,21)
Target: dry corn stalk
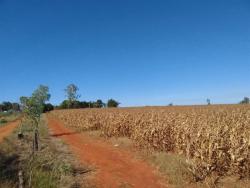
(213,138)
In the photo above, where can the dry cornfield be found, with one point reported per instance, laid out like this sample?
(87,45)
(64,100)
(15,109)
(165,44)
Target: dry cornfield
(213,138)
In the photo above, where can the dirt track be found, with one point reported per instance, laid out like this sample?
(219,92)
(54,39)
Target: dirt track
(7,129)
(115,167)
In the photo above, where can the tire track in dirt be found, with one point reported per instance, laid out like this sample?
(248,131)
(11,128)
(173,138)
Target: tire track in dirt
(6,130)
(115,167)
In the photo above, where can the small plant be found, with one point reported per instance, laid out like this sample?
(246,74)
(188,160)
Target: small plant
(33,108)
(2,121)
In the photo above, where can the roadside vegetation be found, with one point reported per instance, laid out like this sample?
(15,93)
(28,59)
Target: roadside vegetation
(30,157)
(51,167)
(6,117)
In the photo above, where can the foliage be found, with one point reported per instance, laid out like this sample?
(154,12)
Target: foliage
(66,104)
(33,106)
(246,100)
(71,92)
(112,103)
(15,107)
(2,121)
(48,107)
(99,104)
(8,106)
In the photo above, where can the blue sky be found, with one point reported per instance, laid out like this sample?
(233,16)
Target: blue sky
(138,52)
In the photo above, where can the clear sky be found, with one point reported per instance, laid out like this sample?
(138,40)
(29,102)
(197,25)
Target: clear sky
(138,52)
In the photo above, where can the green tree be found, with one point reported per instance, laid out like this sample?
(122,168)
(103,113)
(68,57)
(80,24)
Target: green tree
(7,106)
(99,104)
(84,104)
(112,103)
(15,107)
(71,93)
(64,104)
(33,108)
(1,107)
(48,107)
(246,100)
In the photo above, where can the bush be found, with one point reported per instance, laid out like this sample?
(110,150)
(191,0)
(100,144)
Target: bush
(2,121)
(112,103)
(48,107)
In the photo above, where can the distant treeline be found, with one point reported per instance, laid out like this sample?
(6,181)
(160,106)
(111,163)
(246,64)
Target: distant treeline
(8,106)
(16,107)
(67,104)
(246,100)
(72,102)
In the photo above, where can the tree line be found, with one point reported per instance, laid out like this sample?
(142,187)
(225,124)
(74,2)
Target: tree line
(9,106)
(72,101)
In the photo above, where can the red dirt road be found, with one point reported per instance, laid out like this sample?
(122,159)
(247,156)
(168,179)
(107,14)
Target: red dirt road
(7,130)
(115,167)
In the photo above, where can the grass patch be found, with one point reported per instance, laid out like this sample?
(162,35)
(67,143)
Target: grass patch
(50,167)
(173,166)
(8,163)
(176,171)
(8,117)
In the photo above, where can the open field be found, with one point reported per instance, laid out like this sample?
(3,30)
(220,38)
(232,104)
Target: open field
(213,139)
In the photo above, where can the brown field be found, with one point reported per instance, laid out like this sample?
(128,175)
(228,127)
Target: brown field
(214,139)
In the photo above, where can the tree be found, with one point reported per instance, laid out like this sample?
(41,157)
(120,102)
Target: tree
(99,104)
(112,103)
(84,104)
(64,104)
(7,106)
(71,93)
(33,108)
(48,107)
(208,102)
(1,107)
(15,107)
(76,104)
(246,100)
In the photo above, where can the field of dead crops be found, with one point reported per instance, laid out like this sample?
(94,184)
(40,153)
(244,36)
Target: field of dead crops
(214,139)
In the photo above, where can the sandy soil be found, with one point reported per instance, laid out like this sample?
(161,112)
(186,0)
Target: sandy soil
(7,129)
(114,167)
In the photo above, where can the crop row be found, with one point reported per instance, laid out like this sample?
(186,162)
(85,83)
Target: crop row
(213,138)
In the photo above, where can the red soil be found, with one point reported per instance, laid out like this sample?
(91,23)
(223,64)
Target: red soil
(115,167)
(7,129)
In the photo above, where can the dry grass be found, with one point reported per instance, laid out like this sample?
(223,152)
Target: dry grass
(214,139)
(51,167)
(8,117)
